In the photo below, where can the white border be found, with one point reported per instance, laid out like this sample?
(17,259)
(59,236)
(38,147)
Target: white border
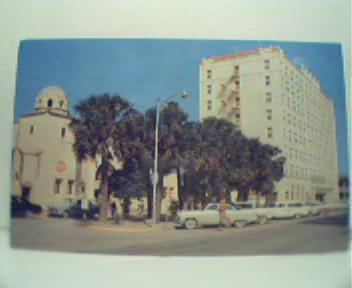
(285,20)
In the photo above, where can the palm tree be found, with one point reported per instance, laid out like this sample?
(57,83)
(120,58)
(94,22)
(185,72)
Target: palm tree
(95,134)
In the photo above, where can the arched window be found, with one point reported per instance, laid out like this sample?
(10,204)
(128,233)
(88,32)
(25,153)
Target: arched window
(50,103)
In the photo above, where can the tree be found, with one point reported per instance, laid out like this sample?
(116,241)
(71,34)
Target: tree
(227,160)
(175,141)
(95,134)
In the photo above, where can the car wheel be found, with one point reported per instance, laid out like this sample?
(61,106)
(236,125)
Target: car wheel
(190,224)
(240,223)
(262,220)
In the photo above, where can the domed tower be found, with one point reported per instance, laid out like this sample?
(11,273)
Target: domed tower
(52,99)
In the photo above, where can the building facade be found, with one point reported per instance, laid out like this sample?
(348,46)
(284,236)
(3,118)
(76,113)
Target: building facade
(45,167)
(269,97)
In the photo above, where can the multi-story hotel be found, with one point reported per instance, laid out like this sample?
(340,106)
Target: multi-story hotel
(269,97)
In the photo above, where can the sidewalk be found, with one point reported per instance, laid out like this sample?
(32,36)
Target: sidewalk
(130,226)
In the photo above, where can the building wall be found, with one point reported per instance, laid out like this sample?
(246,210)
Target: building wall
(267,96)
(44,160)
(45,164)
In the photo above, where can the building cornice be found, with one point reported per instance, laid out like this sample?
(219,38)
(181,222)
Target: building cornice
(69,116)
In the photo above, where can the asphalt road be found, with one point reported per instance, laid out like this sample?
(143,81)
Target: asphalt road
(307,235)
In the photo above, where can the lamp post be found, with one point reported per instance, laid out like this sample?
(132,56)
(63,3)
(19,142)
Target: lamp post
(184,94)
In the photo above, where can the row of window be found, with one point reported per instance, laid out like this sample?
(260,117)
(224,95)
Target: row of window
(58,184)
(297,171)
(266,65)
(50,103)
(305,156)
(298,195)
(210,72)
(32,131)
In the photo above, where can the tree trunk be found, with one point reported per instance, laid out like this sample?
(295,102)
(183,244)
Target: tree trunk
(104,199)
(150,203)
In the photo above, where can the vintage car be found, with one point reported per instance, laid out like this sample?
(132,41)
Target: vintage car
(20,207)
(59,209)
(210,216)
(287,210)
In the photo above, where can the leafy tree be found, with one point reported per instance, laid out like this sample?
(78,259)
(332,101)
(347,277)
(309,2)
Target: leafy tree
(176,140)
(95,134)
(227,160)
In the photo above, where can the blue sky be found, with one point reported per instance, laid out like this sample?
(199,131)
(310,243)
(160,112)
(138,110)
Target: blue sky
(142,70)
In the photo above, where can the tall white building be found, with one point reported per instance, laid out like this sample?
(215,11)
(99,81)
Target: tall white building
(268,97)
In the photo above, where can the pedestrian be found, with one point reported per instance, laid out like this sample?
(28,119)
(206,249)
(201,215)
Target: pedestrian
(116,216)
(140,206)
(84,207)
(113,209)
(224,220)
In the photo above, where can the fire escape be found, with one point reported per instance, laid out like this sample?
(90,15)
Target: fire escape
(229,97)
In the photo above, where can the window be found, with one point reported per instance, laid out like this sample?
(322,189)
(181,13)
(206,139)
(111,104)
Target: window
(237,83)
(57,186)
(287,195)
(70,186)
(268,97)
(209,105)
(31,130)
(63,132)
(266,64)
(209,75)
(237,99)
(269,114)
(209,89)
(238,116)
(61,103)
(237,69)
(50,102)
(269,132)
(267,81)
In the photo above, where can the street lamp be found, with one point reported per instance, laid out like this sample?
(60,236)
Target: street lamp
(184,94)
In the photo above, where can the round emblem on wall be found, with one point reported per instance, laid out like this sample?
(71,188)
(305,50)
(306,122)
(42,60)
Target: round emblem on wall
(61,166)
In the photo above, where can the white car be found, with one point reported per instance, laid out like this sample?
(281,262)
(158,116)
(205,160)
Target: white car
(287,210)
(209,216)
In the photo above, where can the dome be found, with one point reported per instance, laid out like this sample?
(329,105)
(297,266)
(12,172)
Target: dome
(52,98)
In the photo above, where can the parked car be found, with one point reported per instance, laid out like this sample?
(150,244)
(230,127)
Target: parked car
(76,211)
(314,208)
(209,216)
(287,210)
(262,212)
(60,209)
(20,206)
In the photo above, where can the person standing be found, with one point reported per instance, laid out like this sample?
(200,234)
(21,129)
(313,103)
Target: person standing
(113,209)
(140,206)
(84,207)
(224,220)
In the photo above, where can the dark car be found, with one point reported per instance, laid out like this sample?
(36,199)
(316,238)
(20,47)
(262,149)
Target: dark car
(76,211)
(20,206)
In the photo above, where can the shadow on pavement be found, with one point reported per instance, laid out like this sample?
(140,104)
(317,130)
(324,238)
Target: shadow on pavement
(339,220)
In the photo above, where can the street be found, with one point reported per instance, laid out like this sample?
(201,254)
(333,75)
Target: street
(307,235)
